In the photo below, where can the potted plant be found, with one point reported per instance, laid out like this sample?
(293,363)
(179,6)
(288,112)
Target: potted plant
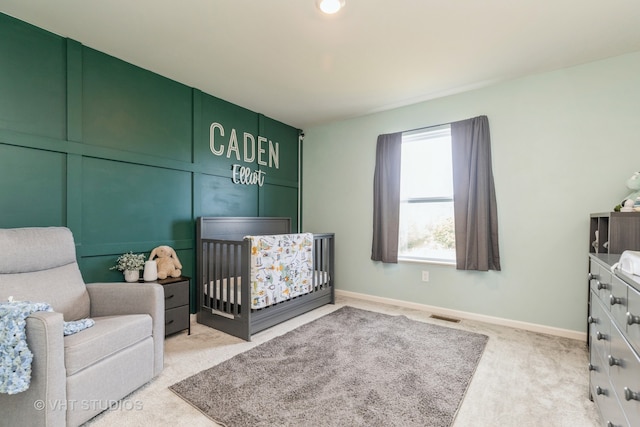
(130,264)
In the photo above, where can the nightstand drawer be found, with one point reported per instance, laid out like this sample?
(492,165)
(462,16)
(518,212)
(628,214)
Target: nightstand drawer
(176,319)
(176,304)
(176,294)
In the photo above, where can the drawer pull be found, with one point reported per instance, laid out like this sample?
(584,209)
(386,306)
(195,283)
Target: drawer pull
(592,319)
(613,361)
(600,285)
(169,297)
(600,390)
(593,367)
(169,322)
(592,276)
(614,300)
(631,395)
(600,336)
(631,319)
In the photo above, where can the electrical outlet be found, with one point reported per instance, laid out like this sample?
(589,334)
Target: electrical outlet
(425,276)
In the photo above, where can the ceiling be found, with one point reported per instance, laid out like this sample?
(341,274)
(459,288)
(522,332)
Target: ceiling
(286,60)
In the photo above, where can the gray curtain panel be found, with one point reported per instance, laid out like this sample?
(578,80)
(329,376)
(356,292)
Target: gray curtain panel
(474,200)
(386,198)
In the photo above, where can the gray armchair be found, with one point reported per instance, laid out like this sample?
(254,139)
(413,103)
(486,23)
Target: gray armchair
(76,377)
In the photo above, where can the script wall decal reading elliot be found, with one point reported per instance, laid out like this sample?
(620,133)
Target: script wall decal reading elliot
(254,149)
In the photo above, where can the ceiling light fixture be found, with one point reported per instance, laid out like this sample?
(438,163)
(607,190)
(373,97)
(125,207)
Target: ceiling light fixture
(330,6)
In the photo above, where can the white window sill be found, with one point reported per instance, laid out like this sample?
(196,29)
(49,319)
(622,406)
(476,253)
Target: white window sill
(427,261)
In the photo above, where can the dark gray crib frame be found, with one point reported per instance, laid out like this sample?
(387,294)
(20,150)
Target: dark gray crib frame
(223,253)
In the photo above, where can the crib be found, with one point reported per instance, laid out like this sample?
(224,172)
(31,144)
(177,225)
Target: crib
(224,291)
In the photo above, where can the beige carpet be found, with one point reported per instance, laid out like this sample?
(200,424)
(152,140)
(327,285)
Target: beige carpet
(351,367)
(524,379)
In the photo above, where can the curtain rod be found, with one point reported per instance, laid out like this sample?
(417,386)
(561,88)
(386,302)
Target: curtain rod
(425,127)
(435,126)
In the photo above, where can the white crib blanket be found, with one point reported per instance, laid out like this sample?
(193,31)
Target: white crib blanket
(281,267)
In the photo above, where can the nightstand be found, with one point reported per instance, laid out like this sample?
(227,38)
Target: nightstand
(176,304)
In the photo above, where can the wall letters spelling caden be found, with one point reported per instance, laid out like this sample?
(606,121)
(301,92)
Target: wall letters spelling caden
(266,151)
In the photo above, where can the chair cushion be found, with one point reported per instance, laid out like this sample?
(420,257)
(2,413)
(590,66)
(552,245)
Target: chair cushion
(62,288)
(39,265)
(108,336)
(35,248)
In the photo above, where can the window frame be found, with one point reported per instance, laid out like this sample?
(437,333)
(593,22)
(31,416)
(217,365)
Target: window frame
(414,135)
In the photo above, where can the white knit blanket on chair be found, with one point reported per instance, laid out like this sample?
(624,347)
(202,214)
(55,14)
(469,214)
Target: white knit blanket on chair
(15,356)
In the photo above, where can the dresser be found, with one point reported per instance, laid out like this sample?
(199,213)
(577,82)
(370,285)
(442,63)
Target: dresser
(176,304)
(614,342)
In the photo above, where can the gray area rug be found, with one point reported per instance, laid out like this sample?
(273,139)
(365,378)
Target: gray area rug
(351,367)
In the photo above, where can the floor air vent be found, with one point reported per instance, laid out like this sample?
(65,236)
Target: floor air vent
(447,319)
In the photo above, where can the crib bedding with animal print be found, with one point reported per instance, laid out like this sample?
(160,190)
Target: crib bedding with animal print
(281,267)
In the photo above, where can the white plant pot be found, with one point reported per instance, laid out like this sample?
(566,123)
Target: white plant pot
(131,275)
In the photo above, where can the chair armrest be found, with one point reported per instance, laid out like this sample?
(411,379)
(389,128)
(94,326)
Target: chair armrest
(112,299)
(44,402)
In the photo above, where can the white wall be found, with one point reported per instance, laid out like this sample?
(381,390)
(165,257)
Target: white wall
(563,143)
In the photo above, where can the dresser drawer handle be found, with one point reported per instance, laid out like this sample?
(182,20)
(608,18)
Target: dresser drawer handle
(172,295)
(613,361)
(592,276)
(600,390)
(614,300)
(169,322)
(600,285)
(630,395)
(593,367)
(592,319)
(631,319)
(600,336)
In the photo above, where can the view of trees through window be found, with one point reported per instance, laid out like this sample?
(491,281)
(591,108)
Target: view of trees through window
(426,196)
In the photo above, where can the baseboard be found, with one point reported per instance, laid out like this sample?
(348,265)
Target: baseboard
(533,327)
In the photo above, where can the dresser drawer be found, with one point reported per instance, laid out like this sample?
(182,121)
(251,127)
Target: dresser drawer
(176,294)
(176,319)
(618,301)
(599,329)
(633,318)
(600,280)
(598,374)
(603,394)
(624,370)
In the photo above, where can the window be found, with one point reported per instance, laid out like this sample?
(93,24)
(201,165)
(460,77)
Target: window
(426,229)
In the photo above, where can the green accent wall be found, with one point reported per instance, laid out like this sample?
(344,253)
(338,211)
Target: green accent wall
(122,156)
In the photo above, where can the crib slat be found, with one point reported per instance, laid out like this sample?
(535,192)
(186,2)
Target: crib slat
(222,290)
(202,265)
(232,289)
(213,279)
(238,283)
